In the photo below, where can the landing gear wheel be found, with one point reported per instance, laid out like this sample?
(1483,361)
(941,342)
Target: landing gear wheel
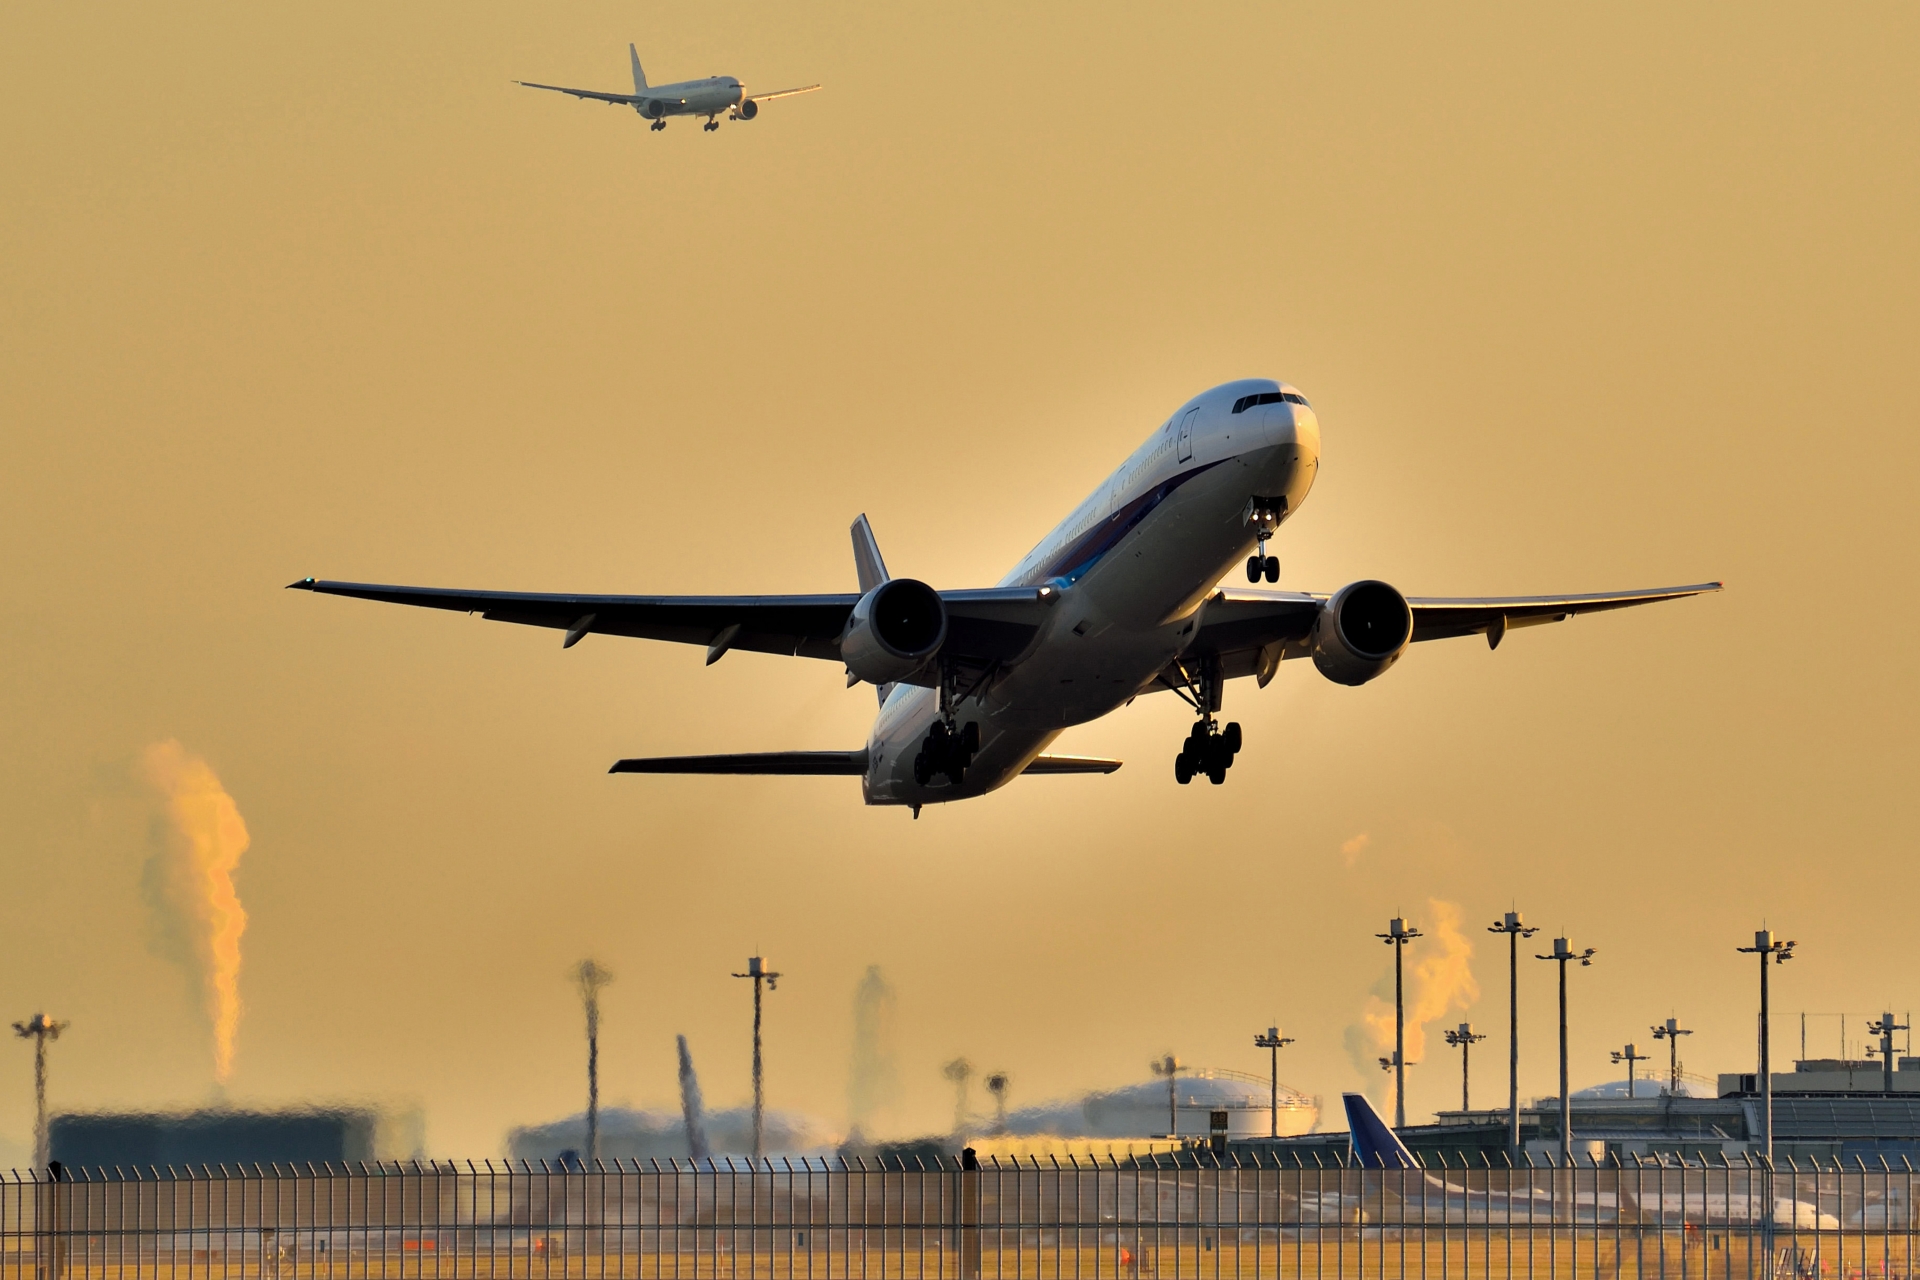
(1272,568)
(658,125)
(1254,567)
(1217,774)
(711,125)
(921,774)
(1230,739)
(970,739)
(1183,768)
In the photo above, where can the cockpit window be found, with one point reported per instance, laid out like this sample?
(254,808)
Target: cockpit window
(1245,403)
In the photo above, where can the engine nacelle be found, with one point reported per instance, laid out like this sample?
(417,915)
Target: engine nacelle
(748,109)
(1361,632)
(894,629)
(654,108)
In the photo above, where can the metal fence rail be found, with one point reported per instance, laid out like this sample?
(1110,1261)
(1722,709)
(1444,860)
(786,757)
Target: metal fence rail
(824,1220)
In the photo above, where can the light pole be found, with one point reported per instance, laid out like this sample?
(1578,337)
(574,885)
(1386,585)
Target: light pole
(1397,936)
(592,977)
(1671,1032)
(1169,1066)
(959,1071)
(1515,930)
(1462,1037)
(1563,952)
(39,1029)
(997,1086)
(1630,1055)
(1274,1042)
(758,971)
(1885,1029)
(1766,947)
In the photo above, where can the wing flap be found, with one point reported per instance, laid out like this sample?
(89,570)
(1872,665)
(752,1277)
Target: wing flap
(766,763)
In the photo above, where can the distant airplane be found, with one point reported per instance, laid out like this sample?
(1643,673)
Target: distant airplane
(1119,600)
(708,97)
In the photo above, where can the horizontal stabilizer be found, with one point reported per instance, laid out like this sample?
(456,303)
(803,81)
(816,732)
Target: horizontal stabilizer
(796,763)
(1071,764)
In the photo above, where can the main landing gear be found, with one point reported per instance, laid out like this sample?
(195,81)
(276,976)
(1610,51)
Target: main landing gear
(947,750)
(1208,750)
(658,125)
(711,125)
(949,747)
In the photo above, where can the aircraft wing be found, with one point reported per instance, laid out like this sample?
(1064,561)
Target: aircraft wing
(626,99)
(780,93)
(984,627)
(822,763)
(1252,631)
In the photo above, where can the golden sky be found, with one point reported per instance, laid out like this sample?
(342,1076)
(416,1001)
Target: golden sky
(1585,297)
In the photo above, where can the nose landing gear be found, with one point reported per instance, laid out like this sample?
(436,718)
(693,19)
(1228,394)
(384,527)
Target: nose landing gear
(1264,514)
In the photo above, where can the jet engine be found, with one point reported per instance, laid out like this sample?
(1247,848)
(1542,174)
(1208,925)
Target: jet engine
(1361,632)
(748,109)
(894,629)
(654,108)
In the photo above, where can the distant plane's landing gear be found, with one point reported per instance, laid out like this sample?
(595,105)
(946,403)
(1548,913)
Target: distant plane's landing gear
(947,750)
(711,125)
(1207,751)
(658,125)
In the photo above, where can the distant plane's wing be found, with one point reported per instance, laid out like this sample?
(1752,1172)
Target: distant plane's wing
(780,93)
(1071,764)
(627,99)
(784,763)
(983,627)
(1252,631)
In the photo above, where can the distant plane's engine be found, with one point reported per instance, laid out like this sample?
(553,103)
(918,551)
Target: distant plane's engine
(654,109)
(894,629)
(1361,632)
(748,109)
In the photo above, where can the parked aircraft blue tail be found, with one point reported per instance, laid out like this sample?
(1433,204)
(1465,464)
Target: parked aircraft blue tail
(1375,1144)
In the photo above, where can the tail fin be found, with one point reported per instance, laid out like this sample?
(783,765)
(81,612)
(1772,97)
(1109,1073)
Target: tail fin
(639,76)
(1375,1144)
(866,556)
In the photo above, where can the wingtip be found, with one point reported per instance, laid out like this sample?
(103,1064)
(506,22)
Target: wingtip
(305,584)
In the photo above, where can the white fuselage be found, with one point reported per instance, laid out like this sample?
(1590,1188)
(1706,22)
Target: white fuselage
(1131,565)
(708,97)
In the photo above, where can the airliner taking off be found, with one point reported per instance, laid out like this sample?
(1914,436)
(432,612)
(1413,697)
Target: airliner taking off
(1121,599)
(708,97)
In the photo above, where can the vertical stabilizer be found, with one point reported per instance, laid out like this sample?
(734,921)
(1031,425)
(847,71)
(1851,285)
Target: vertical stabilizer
(1375,1144)
(866,556)
(639,76)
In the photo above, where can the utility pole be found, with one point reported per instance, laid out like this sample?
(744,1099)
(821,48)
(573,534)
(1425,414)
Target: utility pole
(1562,953)
(1169,1066)
(1765,946)
(1273,1041)
(1515,930)
(1462,1037)
(758,971)
(39,1029)
(997,1086)
(1885,1029)
(1397,936)
(1630,1055)
(1671,1033)
(591,977)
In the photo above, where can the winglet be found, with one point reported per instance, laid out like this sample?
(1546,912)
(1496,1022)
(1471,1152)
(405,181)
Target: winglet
(305,584)
(1375,1144)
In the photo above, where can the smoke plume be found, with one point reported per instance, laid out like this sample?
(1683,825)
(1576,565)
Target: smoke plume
(875,1078)
(1439,981)
(189,884)
(692,1109)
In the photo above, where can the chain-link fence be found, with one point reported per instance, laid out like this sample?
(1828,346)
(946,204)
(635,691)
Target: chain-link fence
(1154,1217)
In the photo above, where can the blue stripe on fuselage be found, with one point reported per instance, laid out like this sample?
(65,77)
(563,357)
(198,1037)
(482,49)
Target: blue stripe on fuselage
(1073,563)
